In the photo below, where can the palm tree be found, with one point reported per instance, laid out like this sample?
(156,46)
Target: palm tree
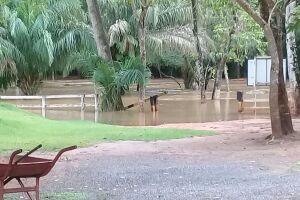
(112,78)
(120,19)
(36,37)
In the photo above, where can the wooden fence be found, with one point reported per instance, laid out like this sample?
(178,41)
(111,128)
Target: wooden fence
(253,100)
(44,104)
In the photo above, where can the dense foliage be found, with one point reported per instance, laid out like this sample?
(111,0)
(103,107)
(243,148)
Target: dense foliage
(35,38)
(38,38)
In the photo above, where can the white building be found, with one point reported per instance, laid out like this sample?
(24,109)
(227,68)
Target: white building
(259,71)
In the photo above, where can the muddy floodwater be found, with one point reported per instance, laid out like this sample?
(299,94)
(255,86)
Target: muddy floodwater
(178,106)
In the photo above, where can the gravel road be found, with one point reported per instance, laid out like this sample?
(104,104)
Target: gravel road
(171,177)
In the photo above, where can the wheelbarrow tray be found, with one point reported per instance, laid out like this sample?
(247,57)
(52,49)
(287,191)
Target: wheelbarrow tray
(19,167)
(28,167)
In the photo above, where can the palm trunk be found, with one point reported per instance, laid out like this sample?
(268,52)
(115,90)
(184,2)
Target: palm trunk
(103,49)
(142,38)
(98,30)
(187,74)
(199,64)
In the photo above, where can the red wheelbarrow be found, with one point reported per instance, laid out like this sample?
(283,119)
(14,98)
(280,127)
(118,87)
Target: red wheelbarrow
(24,166)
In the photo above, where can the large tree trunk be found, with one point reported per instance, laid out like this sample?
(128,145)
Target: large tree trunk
(199,63)
(290,43)
(279,110)
(142,38)
(98,30)
(281,120)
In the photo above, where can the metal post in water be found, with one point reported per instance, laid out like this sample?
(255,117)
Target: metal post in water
(82,100)
(96,108)
(44,106)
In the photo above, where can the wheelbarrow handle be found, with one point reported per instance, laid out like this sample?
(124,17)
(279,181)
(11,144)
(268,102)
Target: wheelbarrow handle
(61,152)
(13,155)
(27,154)
(10,163)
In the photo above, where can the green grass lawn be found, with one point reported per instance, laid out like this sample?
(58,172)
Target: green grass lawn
(21,129)
(52,196)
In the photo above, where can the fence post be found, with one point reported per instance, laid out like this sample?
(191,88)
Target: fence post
(82,100)
(96,107)
(44,106)
(97,102)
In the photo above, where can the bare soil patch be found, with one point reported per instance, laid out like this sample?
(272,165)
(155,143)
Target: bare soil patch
(242,140)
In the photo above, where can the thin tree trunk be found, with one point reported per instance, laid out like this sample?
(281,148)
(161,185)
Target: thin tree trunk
(290,43)
(199,63)
(227,78)
(221,66)
(98,30)
(238,70)
(142,38)
(216,94)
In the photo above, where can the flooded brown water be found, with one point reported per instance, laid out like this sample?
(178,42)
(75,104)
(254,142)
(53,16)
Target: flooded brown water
(176,107)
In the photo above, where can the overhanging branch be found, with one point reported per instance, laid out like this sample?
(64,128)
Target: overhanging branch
(255,15)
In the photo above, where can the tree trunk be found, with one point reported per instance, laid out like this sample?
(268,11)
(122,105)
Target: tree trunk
(238,70)
(98,30)
(281,120)
(297,101)
(227,78)
(222,65)
(142,38)
(279,110)
(187,74)
(290,43)
(216,94)
(199,64)
(29,85)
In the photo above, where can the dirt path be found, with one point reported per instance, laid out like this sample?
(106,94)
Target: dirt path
(237,163)
(242,140)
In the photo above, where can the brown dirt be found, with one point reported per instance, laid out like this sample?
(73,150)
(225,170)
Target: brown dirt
(235,140)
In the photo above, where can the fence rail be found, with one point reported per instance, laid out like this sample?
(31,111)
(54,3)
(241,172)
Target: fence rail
(254,100)
(44,104)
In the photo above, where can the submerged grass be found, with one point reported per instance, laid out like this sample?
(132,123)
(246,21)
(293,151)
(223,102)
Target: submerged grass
(21,129)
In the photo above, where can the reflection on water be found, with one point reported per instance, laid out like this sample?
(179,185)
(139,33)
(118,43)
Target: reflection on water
(176,107)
